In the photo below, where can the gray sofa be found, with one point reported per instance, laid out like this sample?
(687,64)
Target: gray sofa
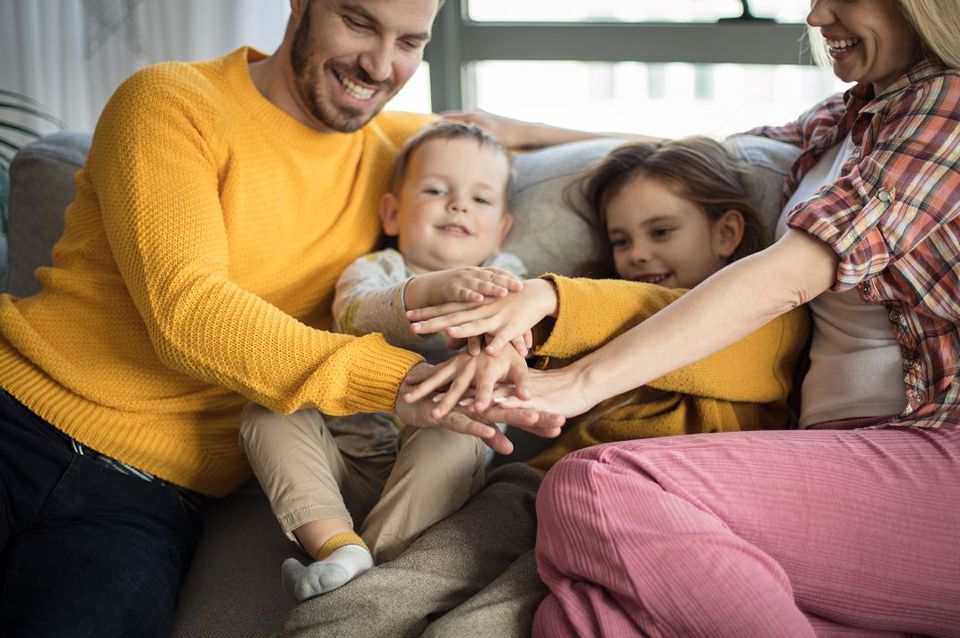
(232,589)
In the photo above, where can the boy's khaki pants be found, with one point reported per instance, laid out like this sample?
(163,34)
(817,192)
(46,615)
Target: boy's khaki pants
(393,498)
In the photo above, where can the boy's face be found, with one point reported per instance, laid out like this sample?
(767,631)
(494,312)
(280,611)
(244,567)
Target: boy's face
(451,209)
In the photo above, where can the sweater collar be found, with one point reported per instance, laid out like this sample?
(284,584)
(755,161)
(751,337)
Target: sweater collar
(282,126)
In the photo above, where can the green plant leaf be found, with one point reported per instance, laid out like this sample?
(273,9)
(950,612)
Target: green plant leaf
(36,112)
(20,129)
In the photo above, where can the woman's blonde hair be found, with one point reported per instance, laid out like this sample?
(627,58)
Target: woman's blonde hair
(935,22)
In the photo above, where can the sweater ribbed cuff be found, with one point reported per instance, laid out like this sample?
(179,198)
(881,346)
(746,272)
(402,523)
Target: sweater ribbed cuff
(375,379)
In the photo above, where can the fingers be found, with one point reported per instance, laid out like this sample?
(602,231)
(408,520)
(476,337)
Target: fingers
(499,443)
(543,424)
(519,376)
(486,379)
(436,377)
(465,424)
(489,434)
(456,309)
(471,328)
(520,345)
(463,294)
(473,284)
(418,373)
(505,279)
(511,369)
(460,384)
(495,345)
(474,344)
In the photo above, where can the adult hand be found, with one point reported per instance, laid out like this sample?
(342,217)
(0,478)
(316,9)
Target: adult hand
(482,372)
(518,133)
(563,391)
(418,414)
(503,319)
(509,132)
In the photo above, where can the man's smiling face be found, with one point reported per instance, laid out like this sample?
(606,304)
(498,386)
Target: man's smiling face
(349,57)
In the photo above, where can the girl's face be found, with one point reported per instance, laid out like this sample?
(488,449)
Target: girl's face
(869,41)
(661,238)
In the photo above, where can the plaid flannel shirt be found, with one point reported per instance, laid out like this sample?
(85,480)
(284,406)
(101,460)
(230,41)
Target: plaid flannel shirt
(893,219)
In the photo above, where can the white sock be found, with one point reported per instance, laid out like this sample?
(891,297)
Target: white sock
(339,568)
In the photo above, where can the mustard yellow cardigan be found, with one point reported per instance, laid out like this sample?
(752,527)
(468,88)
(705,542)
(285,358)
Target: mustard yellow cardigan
(742,387)
(196,273)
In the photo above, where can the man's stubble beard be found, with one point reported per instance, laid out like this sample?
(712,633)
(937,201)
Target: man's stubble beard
(308,80)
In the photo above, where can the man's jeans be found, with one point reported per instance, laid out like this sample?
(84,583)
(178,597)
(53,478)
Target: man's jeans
(85,549)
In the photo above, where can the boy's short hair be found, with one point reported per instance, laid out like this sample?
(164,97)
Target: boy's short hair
(444,130)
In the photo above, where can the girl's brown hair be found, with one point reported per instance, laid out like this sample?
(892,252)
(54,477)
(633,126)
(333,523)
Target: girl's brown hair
(699,169)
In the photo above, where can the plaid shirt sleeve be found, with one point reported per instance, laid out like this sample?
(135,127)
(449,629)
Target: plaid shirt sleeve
(821,117)
(902,189)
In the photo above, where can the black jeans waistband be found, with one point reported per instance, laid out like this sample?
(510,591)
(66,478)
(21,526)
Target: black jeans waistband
(193,498)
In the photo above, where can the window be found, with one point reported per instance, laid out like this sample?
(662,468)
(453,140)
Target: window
(672,99)
(645,66)
(415,95)
(631,10)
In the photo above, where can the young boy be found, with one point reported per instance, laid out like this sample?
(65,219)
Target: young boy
(322,475)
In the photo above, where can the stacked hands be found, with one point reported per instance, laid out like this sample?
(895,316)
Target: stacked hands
(489,313)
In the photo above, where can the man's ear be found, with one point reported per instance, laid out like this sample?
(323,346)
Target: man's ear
(728,232)
(506,223)
(388,214)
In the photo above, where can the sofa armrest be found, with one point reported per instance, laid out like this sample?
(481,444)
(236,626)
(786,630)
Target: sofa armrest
(41,186)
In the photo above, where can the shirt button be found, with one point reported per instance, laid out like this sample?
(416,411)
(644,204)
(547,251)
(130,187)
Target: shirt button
(864,287)
(884,196)
(894,316)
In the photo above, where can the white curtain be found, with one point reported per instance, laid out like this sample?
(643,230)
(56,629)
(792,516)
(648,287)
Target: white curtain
(70,55)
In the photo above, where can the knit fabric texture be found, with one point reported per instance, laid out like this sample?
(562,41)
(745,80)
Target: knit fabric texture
(742,387)
(196,272)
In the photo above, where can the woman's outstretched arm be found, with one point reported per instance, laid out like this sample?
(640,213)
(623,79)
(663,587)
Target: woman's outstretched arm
(731,304)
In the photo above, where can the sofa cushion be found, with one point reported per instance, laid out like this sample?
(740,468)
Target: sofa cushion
(554,230)
(232,588)
(41,186)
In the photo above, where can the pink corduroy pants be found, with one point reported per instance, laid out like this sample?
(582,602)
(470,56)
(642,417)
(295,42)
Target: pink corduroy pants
(754,534)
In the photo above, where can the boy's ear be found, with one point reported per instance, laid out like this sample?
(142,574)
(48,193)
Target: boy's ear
(728,232)
(506,223)
(388,214)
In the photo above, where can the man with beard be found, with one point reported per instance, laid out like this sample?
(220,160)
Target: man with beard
(218,205)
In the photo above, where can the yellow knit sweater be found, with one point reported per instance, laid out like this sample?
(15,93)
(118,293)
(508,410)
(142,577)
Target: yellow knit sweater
(196,272)
(742,387)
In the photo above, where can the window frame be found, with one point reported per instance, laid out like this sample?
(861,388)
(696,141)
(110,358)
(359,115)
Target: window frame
(458,41)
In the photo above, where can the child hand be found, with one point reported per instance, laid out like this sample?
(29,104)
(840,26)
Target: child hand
(419,413)
(504,319)
(474,345)
(482,372)
(459,285)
